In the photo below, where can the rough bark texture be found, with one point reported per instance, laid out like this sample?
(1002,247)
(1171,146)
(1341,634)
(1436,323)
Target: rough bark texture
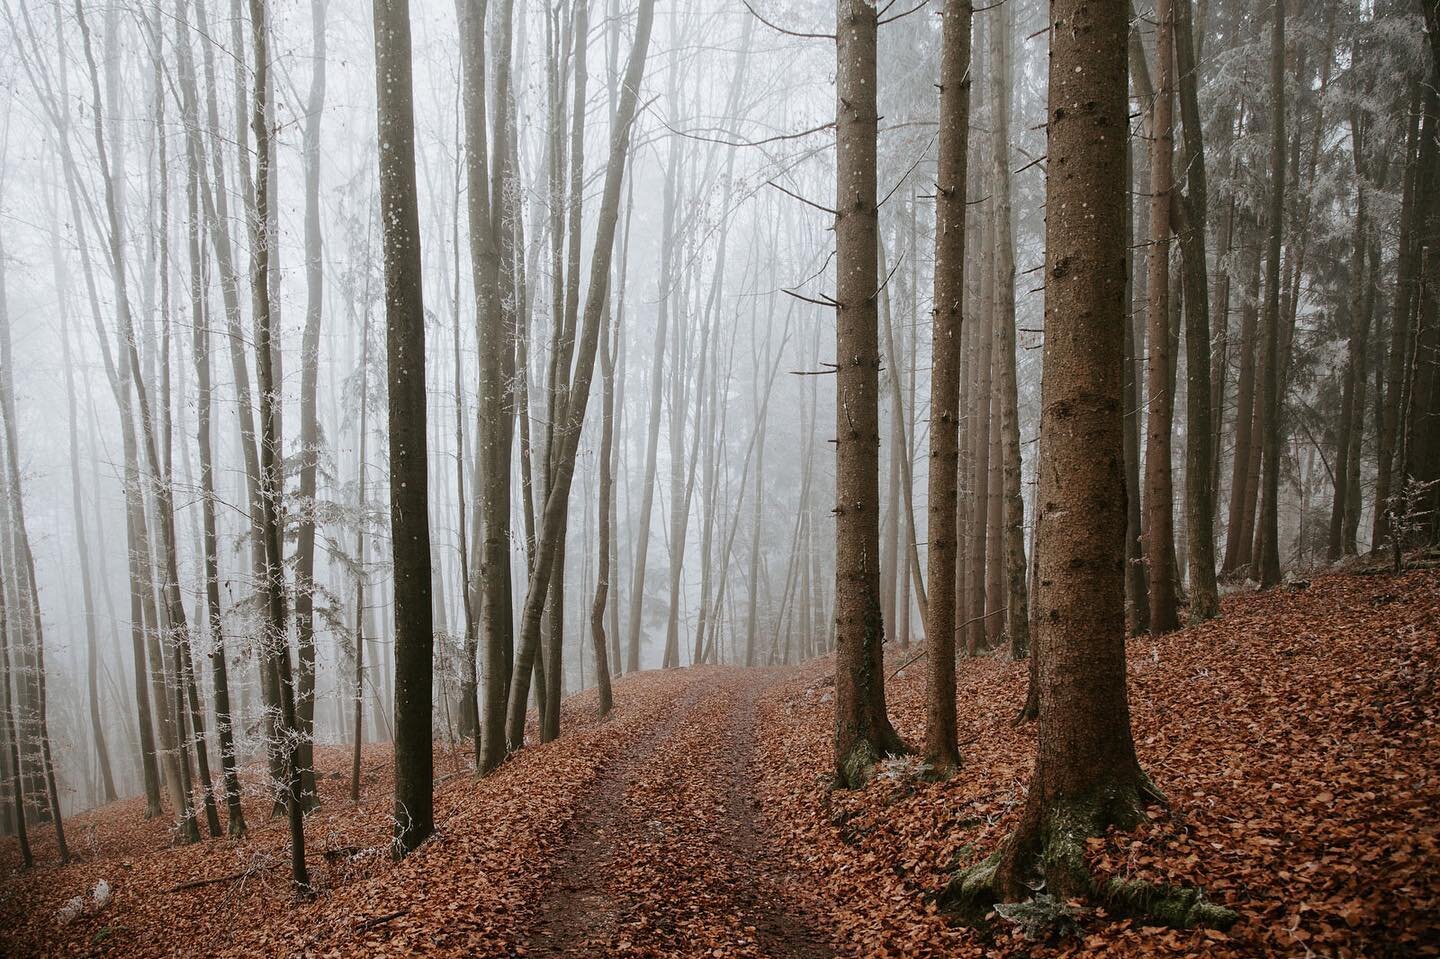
(1159,491)
(1016,598)
(863,733)
(941,748)
(1086,775)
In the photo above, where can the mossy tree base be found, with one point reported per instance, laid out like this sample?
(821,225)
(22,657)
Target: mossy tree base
(857,767)
(1047,853)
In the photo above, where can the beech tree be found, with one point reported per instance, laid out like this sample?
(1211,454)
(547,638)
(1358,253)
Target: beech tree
(405,363)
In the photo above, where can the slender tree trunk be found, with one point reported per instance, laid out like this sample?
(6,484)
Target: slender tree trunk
(1159,494)
(1199,455)
(82,548)
(405,362)
(1418,150)
(274,640)
(863,733)
(577,390)
(12,735)
(358,680)
(941,748)
(1012,551)
(1268,561)
(309,420)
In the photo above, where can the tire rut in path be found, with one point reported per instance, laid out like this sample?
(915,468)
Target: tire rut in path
(666,857)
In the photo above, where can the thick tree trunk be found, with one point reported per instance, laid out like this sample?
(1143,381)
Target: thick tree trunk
(1087,777)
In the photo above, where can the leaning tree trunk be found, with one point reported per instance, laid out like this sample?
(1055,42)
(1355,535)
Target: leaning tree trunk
(863,734)
(577,392)
(941,747)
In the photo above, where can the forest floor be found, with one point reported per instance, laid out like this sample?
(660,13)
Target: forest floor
(1295,737)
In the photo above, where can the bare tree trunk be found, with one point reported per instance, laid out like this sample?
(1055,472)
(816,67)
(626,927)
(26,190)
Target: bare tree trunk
(1159,494)
(577,391)
(12,733)
(358,681)
(1268,561)
(82,547)
(405,362)
(1193,207)
(863,733)
(276,647)
(941,747)
(1016,596)
(1419,166)
(309,421)
(657,369)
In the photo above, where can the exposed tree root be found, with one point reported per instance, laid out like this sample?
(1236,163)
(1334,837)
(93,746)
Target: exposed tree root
(1047,854)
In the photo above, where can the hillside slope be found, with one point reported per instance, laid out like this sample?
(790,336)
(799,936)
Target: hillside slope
(1295,739)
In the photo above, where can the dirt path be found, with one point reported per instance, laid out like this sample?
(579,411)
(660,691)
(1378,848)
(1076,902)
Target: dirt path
(669,856)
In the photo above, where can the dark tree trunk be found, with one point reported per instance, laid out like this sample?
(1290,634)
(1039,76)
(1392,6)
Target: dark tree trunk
(405,362)
(309,420)
(274,643)
(863,733)
(1268,561)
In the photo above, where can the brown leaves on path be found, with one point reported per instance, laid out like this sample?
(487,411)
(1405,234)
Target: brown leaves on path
(1295,738)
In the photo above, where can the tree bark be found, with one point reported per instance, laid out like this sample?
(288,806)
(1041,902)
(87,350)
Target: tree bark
(309,420)
(577,391)
(274,641)
(941,747)
(1199,455)
(863,733)
(1159,493)
(1268,560)
(405,363)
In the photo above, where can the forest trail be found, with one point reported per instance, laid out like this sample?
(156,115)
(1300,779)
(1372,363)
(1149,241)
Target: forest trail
(670,854)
